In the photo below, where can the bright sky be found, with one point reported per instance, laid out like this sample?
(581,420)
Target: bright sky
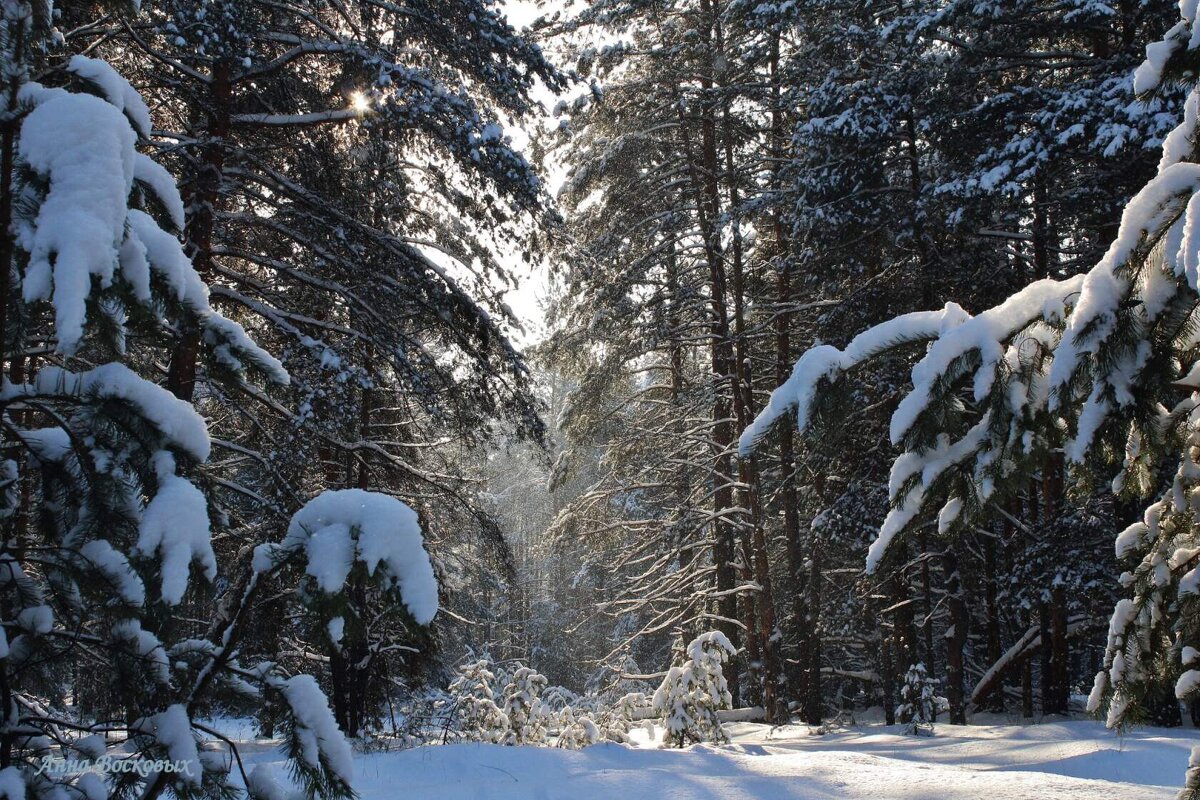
(526,300)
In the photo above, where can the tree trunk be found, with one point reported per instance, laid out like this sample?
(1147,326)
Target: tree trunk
(762,617)
(995,699)
(203,195)
(902,617)
(783,367)
(956,640)
(927,602)
(1045,657)
(916,221)
(1058,678)
(1027,689)
(707,190)
(351,666)
(8,146)
(687,555)
(888,671)
(1041,244)
(814,704)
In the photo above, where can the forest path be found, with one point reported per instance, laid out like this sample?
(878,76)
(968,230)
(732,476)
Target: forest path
(1074,759)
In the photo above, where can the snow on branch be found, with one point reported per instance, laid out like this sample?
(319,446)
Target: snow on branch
(177,421)
(987,336)
(338,529)
(827,363)
(81,152)
(116,90)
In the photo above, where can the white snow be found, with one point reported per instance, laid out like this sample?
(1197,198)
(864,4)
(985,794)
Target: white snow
(146,645)
(172,728)
(92,786)
(263,785)
(117,91)
(1187,684)
(1103,288)
(330,551)
(175,419)
(12,784)
(114,566)
(316,730)
(985,335)
(929,466)
(689,696)
(827,362)
(1130,539)
(162,184)
(36,619)
(84,147)
(48,445)
(338,527)
(165,256)
(1076,759)
(175,527)
(336,628)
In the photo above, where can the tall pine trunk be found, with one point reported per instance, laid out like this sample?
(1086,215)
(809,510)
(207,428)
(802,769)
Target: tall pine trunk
(705,182)
(762,617)
(203,198)
(783,367)
(956,639)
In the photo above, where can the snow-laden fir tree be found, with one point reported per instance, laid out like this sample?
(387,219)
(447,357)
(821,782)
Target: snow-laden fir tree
(363,562)
(619,718)
(918,701)
(479,718)
(690,695)
(523,707)
(105,527)
(576,731)
(1100,367)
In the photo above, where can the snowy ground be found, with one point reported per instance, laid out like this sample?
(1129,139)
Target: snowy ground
(1076,759)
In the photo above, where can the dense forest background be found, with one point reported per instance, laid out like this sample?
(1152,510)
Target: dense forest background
(745,181)
(707,191)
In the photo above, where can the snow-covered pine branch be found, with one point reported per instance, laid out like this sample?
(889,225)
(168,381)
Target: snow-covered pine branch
(1100,366)
(339,531)
(106,544)
(81,172)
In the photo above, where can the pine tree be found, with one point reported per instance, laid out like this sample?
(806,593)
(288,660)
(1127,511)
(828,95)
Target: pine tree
(918,702)
(1096,366)
(106,527)
(577,731)
(364,563)
(691,693)
(524,708)
(474,697)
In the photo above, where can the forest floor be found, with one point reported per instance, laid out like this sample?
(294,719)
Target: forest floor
(1002,761)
